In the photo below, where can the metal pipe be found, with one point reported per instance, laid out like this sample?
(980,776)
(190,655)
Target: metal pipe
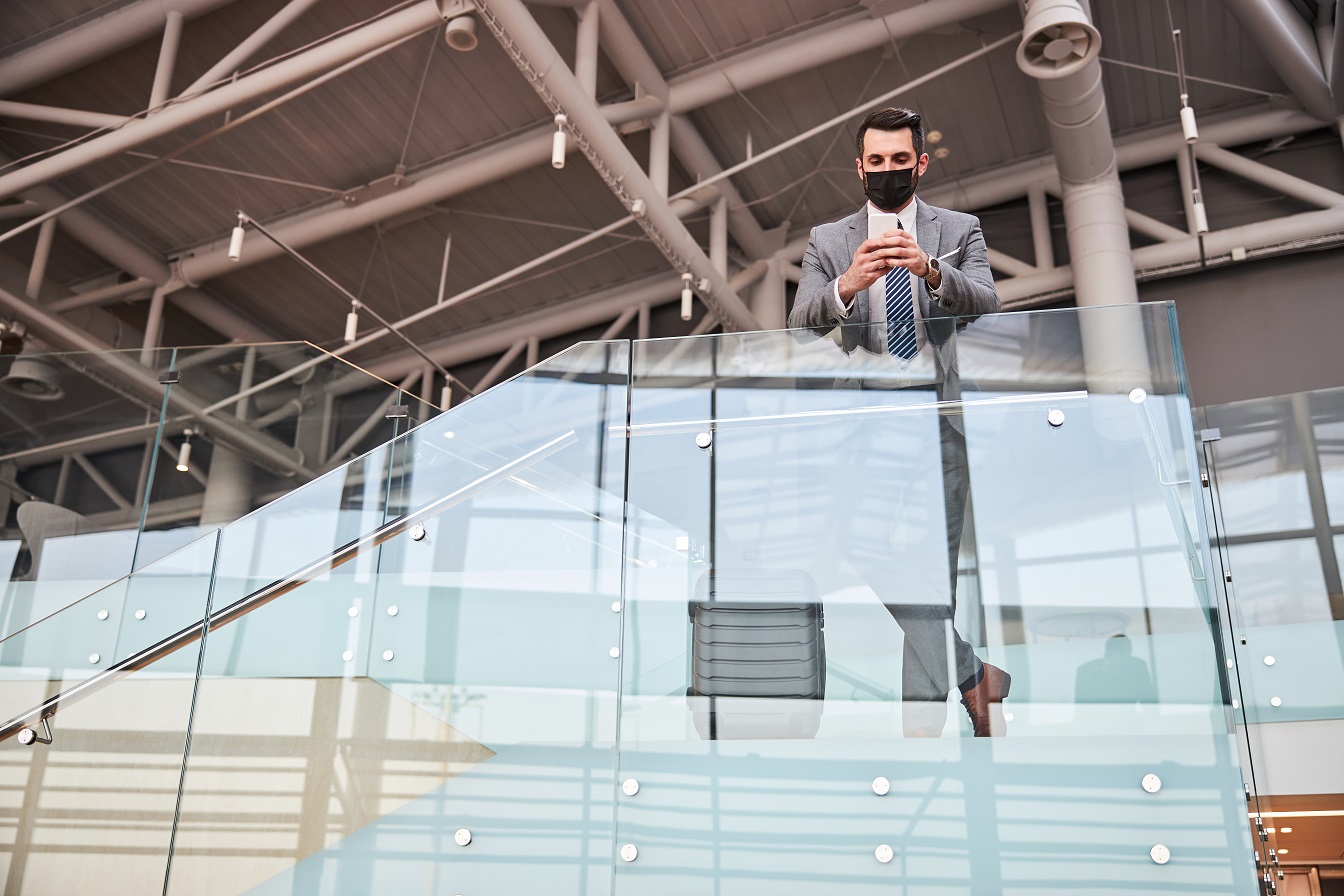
(94,39)
(585,47)
(1007,264)
(643,327)
(1186,178)
(497,369)
(1289,48)
(396,26)
(106,295)
(249,46)
(74,117)
(20,209)
(107,488)
(718,235)
(1152,227)
(152,326)
(619,324)
(362,431)
(1264,175)
(37,272)
(163,73)
(1041,240)
(532,52)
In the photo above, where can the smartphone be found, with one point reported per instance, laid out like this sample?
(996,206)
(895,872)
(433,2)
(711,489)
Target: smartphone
(881,223)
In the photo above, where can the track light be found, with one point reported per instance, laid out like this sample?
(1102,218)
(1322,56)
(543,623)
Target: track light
(1188,126)
(686,296)
(236,240)
(558,142)
(461,33)
(351,325)
(184,453)
(1201,216)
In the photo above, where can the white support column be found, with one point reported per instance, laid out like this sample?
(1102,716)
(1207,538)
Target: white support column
(228,488)
(1290,49)
(619,324)
(1013,267)
(642,331)
(163,74)
(1041,240)
(768,298)
(41,255)
(533,352)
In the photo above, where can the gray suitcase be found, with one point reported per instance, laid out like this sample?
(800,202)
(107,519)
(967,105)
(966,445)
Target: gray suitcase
(758,655)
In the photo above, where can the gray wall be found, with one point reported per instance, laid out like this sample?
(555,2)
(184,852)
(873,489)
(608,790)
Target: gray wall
(1260,328)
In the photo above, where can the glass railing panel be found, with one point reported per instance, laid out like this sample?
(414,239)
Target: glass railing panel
(114,675)
(1276,466)
(98,453)
(438,698)
(792,665)
(76,437)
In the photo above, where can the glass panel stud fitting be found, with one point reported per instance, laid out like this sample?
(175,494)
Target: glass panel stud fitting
(1160,854)
(1275,701)
(418,532)
(387,654)
(615,652)
(883,853)
(140,614)
(102,614)
(94,658)
(462,837)
(629,787)
(348,656)
(1055,417)
(629,853)
(615,606)
(881,786)
(1137,396)
(1151,783)
(392,610)
(703,440)
(352,612)
(1269,661)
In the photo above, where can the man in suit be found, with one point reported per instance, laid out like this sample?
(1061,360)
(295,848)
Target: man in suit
(913,287)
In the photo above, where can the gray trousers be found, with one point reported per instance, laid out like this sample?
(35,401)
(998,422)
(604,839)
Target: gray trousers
(899,525)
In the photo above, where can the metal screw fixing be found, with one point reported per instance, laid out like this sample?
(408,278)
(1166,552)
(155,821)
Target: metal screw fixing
(418,532)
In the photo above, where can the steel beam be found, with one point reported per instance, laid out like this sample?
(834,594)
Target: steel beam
(74,117)
(71,48)
(250,45)
(531,50)
(1254,171)
(163,72)
(1289,48)
(301,66)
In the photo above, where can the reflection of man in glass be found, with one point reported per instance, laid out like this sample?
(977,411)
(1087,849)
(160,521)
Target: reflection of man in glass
(901,519)
(1118,677)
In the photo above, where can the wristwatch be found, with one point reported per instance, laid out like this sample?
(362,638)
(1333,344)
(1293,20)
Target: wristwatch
(935,270)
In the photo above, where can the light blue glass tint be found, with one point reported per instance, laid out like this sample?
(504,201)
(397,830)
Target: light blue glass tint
(800,518)
(94,809)
(1275,469)
(439,697)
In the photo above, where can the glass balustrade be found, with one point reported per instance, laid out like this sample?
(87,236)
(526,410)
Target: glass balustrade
(696,616)
(94,486)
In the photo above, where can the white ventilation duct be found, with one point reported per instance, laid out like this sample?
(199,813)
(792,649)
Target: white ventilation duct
(1069,78)
(1057,39)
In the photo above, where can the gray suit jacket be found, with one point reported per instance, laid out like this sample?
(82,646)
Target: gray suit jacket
(967,288)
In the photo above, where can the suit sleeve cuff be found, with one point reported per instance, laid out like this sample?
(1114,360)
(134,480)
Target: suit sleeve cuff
(840,307)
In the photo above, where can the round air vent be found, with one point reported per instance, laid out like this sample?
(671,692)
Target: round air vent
(1058,40)
(33,379)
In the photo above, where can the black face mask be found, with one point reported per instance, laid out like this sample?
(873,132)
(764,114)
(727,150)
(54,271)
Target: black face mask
(889,190)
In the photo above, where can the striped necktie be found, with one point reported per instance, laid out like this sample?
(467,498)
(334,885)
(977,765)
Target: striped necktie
(900,313)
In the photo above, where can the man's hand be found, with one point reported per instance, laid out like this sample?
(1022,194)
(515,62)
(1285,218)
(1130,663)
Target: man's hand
(874,257)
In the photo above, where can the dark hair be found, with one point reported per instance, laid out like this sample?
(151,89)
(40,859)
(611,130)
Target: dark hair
(890,119)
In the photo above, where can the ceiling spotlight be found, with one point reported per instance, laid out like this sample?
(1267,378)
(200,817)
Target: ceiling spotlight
(1285,830)
(942,152)
(34,378)
(184,453)
(1057,39)
(236,240)
(934,137)
(461,33)
(351,325)
(686,295)
(558,142)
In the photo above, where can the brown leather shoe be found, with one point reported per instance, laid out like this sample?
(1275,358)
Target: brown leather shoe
(923,718)
(984,703)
